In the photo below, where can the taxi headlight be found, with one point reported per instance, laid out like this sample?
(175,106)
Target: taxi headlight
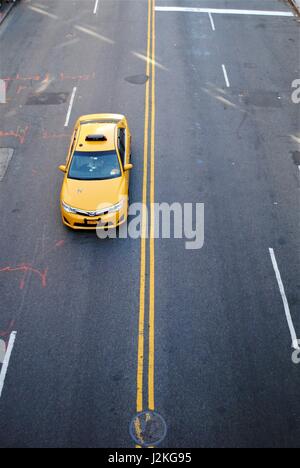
(68,208)
(115,208)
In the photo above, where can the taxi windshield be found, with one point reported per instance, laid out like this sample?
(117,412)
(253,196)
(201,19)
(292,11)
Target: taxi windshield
(99,165)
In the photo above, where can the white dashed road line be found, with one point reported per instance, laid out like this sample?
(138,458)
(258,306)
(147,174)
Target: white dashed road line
(7,356)
(295,344)
(70,107)
(5,158)
(96,7)
(42,12)
(212,21)
(225,76)
(220,11)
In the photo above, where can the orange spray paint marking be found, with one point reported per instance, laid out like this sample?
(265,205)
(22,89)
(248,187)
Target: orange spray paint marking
(27,269)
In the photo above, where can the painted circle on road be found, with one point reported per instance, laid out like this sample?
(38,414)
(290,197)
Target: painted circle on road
(148,428)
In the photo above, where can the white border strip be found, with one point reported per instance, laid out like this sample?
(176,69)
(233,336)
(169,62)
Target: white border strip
(70,107)
(5,364)
(295,344)
(226,11)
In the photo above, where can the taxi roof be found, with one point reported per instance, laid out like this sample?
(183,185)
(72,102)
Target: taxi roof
(94,129)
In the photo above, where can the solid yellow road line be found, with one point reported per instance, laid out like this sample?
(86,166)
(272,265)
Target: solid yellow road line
(141,340)
(151,363)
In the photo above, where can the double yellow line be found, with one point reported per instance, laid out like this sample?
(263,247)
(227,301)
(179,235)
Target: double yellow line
(149,138)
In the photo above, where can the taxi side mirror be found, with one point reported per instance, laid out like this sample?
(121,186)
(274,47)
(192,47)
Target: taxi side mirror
(62,168)
(128,167)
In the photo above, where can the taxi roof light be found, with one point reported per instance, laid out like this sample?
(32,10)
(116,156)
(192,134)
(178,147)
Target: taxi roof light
(96,138)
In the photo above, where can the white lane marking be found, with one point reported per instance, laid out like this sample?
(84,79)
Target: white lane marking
(295,344)
(70,107)
(42,12)
(5,158)
(212,21)
(2,351)
(96,7)
(5,364)
(145,58)
(226,11)
(2,92)
(94,34)
(225,76)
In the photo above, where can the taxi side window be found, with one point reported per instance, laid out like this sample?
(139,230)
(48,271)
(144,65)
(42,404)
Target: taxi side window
(73,144)
(121,144)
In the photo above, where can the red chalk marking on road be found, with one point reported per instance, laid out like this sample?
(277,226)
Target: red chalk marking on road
(29,81)
(64,77)
(46,78)
(60,243)
(4,339)
(22,88)
(23,134)
(20,134)
(31,78)
(22,78)
(55,136)
(7,332)
(56,246)
(27,269)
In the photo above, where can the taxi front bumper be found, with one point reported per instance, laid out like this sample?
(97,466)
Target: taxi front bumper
(106,221)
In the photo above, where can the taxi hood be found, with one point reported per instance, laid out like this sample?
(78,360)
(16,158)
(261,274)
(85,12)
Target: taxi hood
(89,194)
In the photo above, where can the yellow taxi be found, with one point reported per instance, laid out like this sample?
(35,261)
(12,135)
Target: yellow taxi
(97,171)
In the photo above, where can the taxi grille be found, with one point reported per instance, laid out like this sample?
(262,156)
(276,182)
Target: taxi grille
(91,214)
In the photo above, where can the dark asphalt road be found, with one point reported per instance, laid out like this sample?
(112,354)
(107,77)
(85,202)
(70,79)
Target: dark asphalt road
(223,369)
